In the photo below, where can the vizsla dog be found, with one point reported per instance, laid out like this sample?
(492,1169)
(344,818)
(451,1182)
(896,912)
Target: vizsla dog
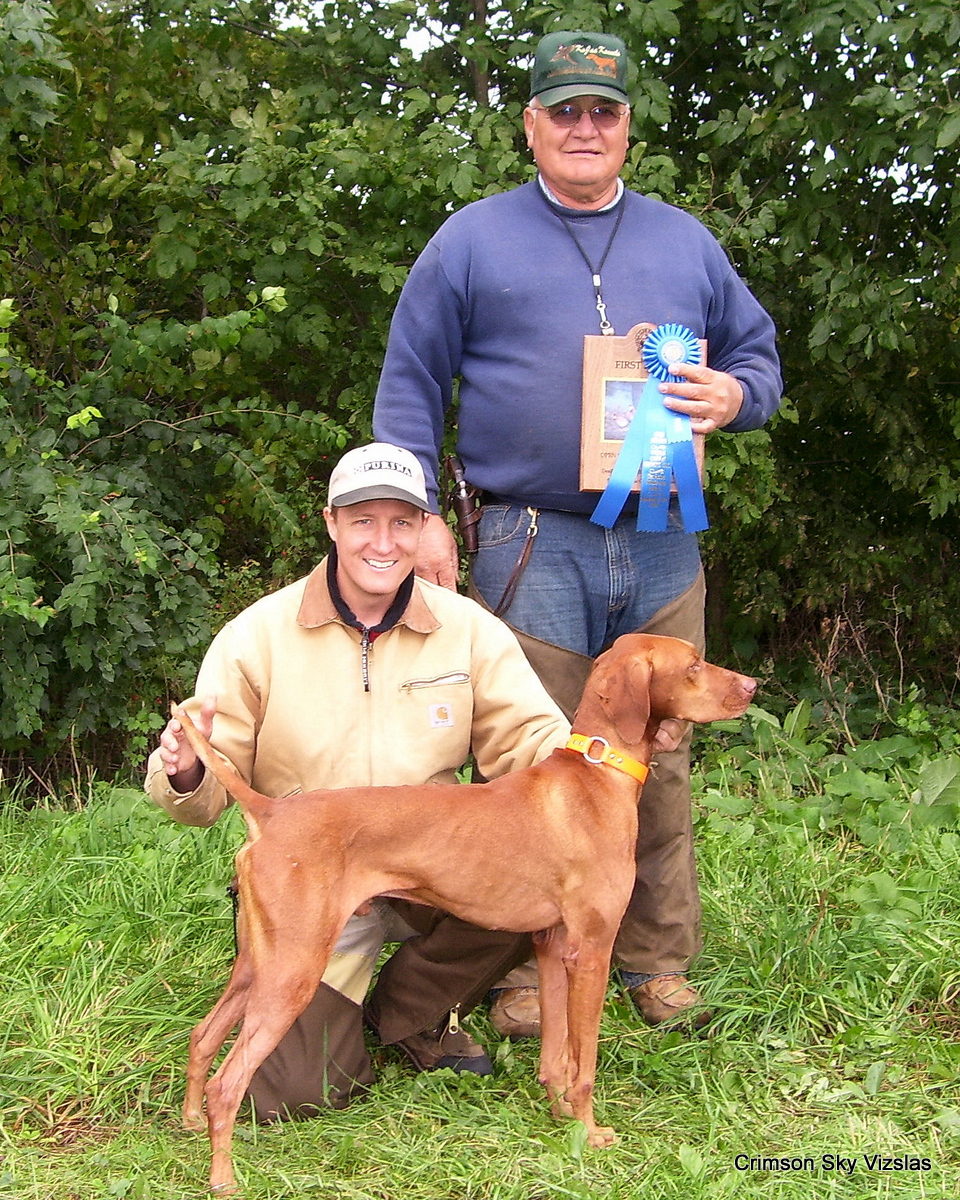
(565,875)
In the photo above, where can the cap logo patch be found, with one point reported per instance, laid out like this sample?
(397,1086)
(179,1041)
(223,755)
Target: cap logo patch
(385,465)
(563,61)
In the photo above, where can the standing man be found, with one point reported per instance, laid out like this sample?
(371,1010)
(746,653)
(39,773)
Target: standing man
(500,299)
(361,674)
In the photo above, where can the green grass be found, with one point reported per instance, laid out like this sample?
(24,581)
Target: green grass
(830,964)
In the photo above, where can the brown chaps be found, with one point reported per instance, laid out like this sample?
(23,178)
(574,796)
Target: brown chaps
(322,1060)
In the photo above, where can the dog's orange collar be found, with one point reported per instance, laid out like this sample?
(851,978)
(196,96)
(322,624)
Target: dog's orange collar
(606,755)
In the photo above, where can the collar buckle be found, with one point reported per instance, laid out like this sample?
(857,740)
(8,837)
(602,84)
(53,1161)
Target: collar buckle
(591,758)
(586,745)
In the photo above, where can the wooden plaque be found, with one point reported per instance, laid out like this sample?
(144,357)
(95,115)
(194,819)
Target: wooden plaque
(613,378)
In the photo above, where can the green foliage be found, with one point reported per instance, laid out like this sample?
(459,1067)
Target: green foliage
(28,52)
(103,580)
(207,211)
(89,578)
(808,770)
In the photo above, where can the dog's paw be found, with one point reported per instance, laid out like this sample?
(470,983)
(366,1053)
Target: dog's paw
(601,1136)
(561,1109)
(195,1122)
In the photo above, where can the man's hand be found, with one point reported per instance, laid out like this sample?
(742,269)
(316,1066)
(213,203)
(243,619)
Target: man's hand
(670,734)
(179,758)
(711,399)
(437,559)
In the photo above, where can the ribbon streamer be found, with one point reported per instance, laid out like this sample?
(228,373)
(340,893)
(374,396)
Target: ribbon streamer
(658,445)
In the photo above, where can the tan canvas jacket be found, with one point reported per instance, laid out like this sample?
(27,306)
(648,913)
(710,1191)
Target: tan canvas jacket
(293,713)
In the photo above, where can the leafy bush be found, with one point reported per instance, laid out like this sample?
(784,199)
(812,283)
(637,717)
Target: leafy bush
(113,508)
(884,791)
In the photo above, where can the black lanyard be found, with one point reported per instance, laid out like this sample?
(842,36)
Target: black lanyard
(605,327)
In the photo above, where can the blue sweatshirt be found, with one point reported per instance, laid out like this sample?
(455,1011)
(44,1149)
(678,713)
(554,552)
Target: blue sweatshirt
(501,298)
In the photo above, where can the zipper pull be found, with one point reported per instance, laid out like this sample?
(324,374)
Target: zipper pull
(365,658)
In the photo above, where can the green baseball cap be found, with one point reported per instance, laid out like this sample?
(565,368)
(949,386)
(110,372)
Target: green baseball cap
(569,64)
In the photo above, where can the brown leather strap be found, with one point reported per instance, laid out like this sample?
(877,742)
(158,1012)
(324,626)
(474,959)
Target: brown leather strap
(510,591)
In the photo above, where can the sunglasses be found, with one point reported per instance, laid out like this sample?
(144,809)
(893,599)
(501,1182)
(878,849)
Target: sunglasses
(603,116)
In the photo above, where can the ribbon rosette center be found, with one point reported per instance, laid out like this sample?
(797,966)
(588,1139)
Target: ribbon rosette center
(669,344)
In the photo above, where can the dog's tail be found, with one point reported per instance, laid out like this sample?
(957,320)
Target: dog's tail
(254,804)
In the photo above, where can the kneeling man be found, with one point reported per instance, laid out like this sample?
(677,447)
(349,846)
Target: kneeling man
(363,674)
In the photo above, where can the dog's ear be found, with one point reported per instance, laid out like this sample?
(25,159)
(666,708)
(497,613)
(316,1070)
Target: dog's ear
(627,699)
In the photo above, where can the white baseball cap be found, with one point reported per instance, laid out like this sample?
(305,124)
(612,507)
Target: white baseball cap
(378,472)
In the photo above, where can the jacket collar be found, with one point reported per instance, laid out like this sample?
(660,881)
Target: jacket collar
(317,607)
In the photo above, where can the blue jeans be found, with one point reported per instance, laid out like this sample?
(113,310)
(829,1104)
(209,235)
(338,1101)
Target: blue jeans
(584,586)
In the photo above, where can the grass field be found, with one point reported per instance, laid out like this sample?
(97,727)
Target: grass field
(831,926)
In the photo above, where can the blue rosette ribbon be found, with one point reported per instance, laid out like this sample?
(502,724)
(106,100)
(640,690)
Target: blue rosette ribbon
(658,445)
